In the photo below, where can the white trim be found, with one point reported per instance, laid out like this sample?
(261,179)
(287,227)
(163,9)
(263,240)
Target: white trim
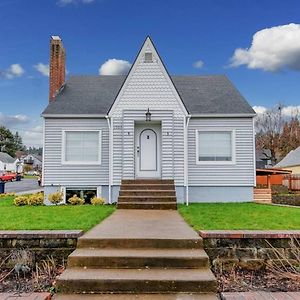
(43,153)
(222,115)
(186,167)
(83,116)
(233,147)
(63,190)
(99,191)
(63,148)
(254,154)
(145,48)
(110,157)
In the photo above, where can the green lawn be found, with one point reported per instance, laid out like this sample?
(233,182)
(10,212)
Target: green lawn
(240,216)
(81,217)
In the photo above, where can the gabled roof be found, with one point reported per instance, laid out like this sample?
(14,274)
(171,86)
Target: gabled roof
(88,95)
(6,158)
(291,159)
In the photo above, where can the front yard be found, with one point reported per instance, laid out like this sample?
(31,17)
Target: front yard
(81,217)
(230,216)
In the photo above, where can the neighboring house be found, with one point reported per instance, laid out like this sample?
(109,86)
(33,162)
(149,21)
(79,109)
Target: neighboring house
(291,162)
(8,163)
(32,160)
(263,159)
(97,131)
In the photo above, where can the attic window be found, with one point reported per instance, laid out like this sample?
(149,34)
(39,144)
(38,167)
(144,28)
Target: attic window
(148,57)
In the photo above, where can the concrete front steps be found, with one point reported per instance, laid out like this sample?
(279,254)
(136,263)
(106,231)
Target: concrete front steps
(147,194)
(138,252)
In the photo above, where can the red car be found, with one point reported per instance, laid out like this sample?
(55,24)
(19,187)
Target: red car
(8,177)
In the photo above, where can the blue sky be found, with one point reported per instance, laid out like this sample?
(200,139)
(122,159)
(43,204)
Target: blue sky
(184,32)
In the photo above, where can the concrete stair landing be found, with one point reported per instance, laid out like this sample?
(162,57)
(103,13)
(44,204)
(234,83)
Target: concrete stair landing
(139,254)
(147,194)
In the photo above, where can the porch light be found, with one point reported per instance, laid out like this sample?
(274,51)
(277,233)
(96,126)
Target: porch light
(148,115)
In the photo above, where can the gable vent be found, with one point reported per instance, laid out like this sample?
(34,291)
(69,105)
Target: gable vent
(148,57)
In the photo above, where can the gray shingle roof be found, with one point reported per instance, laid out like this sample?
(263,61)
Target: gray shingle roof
(200,94)
(6,158)
(291,159)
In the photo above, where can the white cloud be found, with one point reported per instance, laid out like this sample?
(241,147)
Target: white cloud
(287,111)
(291,110)
(260,109)
(115,67)
(67,2)
(11,120)
(272,49)
(33,136)
(42,68)
(14,70)
(198,64)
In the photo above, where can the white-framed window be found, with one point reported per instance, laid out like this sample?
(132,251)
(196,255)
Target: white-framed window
(215,146)
(86,193)
(81,147)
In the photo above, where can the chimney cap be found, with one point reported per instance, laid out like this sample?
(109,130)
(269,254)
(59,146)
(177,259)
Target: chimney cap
(55,37)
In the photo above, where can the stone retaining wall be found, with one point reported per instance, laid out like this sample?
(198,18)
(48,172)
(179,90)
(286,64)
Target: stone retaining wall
(249,249)
(40,244)
(292,199)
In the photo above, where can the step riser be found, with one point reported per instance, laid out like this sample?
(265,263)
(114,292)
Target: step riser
(137,262)
(148,181)
(159,206)
(148,193)
(140,243)
(136,286)
(146,199)
(142,187)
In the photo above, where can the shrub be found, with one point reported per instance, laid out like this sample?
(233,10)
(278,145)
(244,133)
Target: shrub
(56,197)
(36,199)
(75,200)
(21,200)
(7,195)
(97,201)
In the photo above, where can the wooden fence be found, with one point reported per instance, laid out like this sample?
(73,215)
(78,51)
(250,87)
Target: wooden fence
(292,182)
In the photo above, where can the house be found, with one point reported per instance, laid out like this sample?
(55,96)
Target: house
(32,160)
(291,162)
(263,159)
(8,163)
(98,130)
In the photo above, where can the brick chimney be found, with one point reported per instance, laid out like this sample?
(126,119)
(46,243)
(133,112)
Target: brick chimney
(57,66)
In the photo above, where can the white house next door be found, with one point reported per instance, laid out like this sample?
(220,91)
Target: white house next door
(148,150)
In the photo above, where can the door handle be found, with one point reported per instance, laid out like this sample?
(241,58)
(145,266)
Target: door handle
(138,150)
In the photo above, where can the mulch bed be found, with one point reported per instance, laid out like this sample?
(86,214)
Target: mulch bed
(238,280)
(31,282)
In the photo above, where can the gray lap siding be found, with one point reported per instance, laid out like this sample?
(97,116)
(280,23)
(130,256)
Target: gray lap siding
(56,173)
(241,173)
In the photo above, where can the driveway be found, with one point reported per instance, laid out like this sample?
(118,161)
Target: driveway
(23,186)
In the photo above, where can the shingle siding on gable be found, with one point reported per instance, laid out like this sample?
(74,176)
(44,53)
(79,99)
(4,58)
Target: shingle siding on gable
(147,88)
(239,174)
(73,175)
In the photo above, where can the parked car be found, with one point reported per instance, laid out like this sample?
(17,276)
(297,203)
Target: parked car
(8,177)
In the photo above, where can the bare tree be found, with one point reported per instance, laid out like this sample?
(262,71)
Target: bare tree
(268,127)
(277,132)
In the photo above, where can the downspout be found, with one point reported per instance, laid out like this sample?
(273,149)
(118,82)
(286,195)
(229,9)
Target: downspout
(186,175)
(109,156)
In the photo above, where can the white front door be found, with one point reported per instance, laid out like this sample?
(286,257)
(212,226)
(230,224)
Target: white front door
(147,150)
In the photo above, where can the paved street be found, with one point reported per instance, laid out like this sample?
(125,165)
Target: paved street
(22,186)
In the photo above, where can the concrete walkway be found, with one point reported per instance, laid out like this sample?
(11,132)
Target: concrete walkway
(139,252)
